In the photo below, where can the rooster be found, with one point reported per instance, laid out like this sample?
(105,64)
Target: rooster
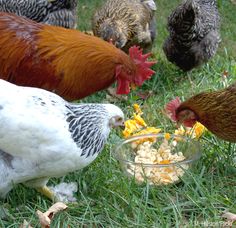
(54,12)
(215,110)
(65,61)
(43,136)
(194,33)
(126,23)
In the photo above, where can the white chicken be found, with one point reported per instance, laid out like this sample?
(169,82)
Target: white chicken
(43,136)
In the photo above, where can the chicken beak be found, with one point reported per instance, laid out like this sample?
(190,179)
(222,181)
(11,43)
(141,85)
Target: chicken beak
(111,41)
(115,124)
(120,124)
(178,124)
(133,86)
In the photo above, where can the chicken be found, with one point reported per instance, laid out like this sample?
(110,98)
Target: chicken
(65,61)
(43,136)
(215,110)
(194,33)
(126,23)
(53,12)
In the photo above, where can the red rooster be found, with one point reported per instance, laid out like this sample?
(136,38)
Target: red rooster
(67,62)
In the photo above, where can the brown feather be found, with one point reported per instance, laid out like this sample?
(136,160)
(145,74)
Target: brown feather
(215,110)
(19,62)
(68,62)
(128,22)
(79,56)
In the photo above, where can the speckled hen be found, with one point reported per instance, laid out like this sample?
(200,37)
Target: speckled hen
(194,33)
(53,12)
(126,23)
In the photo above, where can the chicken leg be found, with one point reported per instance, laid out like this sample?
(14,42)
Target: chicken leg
(47,192)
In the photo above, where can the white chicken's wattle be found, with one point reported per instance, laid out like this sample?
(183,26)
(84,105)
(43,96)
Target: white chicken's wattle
(43,136)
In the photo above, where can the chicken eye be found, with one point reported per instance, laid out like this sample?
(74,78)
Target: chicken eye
(129,35)
(119,119)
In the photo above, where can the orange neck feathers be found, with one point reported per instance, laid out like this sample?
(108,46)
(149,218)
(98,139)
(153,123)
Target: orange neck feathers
(86,64)
(68,62)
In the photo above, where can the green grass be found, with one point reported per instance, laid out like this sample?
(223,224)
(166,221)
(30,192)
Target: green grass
(106,198)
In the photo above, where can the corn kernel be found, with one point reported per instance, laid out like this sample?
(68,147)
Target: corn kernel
(167,136)
(165,162)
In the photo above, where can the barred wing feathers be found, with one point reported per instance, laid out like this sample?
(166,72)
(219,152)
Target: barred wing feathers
(57,12)
(87,135)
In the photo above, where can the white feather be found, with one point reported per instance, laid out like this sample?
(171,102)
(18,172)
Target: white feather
(35,135)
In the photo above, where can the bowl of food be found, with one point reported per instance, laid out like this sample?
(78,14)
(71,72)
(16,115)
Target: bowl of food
(158,159)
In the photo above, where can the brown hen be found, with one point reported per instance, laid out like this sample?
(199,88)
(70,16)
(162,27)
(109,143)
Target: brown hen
(126,23)
(215,110)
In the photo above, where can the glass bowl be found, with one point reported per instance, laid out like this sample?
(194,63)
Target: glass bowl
(157,158)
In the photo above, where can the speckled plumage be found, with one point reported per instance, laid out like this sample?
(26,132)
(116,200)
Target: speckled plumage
(43,136)
(194,33)
(126,22)
(54,12)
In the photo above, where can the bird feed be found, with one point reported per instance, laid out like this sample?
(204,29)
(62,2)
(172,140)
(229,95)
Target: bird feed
(145,153)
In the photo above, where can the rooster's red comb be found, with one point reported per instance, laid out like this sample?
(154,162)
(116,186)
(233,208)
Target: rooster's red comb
(171,107)
(144,71)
